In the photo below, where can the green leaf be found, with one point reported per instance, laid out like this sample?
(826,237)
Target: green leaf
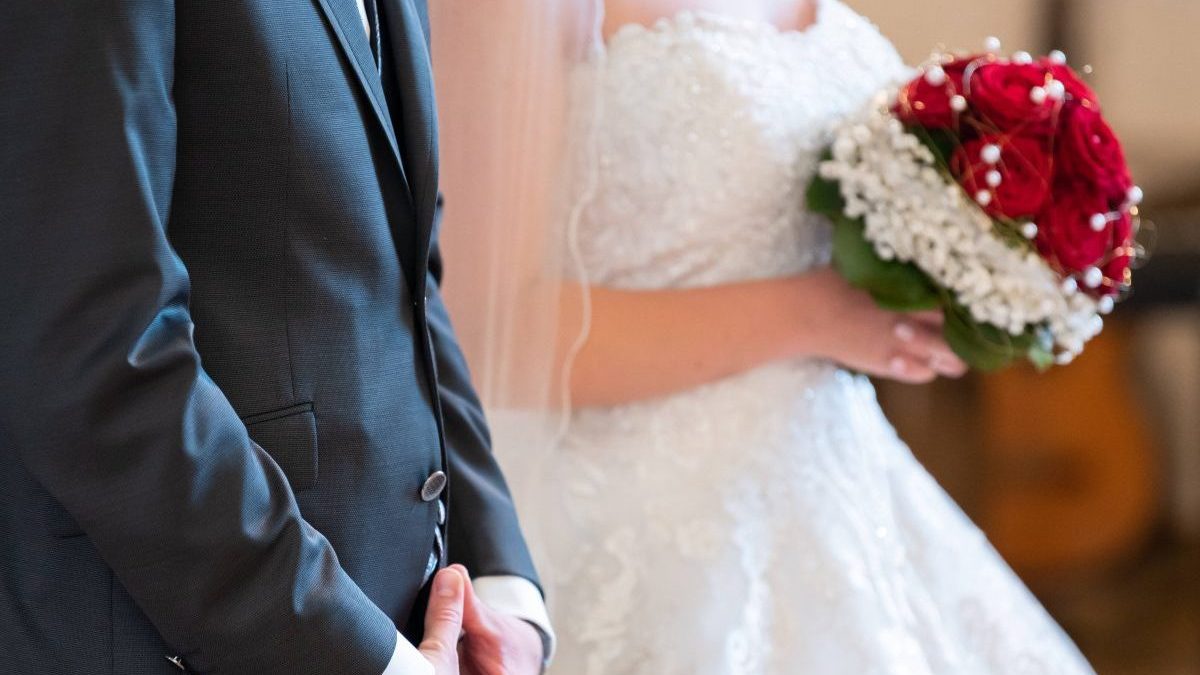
(906,294)
(896,286)
(853,255)
(1041,359)
(825,197)
(942,142)
(982,346)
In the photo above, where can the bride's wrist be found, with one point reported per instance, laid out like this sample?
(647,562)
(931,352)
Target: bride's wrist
(812,320)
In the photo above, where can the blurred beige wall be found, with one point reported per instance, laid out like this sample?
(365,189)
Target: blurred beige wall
(1146,60)
(919,26)
(1145,57)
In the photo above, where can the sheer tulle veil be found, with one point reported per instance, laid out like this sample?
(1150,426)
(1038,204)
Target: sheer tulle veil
(518,167)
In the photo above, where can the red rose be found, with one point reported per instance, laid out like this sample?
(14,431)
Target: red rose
(923,103)
(1088,152)
(1024,173)
(1076,89)
(1002,94)
(1065,232)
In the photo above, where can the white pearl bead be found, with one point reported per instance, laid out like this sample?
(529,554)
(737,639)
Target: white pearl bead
(992,44)
(983,197)
(1056,90)
(1057,57)
(935,76)
(990,153)
(1070,286)
(1135,195)
(1022,58)
(1037,95)
(1092,277)
(958,103)
(1105,304)
(1098,221)
(993,178)
(1029,230)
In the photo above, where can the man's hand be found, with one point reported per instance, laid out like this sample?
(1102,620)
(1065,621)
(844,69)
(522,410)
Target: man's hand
(444,620)
(496,643)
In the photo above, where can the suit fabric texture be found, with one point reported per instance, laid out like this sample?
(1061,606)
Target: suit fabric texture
(225,368)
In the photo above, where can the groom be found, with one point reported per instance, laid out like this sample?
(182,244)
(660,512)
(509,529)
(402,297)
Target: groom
(236,432)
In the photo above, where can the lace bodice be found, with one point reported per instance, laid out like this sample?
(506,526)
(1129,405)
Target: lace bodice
(709,130)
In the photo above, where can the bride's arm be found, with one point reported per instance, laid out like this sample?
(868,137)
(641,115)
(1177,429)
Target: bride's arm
(649,343)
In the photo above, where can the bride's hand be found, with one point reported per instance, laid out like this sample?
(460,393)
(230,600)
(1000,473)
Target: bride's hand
(848,327)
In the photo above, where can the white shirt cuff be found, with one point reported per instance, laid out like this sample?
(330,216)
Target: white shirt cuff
(517,596)
(406,660)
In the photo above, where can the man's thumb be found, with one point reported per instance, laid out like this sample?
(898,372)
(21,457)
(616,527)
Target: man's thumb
(443,618)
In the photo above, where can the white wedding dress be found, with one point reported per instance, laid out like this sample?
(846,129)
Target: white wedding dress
(771,522)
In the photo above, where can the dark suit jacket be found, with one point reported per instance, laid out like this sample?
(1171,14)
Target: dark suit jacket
(225,369)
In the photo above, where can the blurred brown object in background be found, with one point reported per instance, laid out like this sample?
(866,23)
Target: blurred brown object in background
(1071,472)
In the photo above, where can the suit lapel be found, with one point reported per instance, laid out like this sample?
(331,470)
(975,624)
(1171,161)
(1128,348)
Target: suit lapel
(347,26)
(408,46)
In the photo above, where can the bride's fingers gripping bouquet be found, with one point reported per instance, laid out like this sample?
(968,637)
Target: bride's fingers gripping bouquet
(989,189)
(853,330)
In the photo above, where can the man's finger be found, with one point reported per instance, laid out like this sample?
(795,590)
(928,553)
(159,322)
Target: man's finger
(443,618)
(473,608)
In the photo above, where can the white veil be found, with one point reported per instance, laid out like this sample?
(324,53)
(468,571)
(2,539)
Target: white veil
(517,168)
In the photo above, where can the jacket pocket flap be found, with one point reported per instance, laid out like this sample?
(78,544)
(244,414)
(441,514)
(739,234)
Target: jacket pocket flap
(290,437)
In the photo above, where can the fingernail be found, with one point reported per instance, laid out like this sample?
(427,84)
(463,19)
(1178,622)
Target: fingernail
(904,332)
(448,583)
(897,365)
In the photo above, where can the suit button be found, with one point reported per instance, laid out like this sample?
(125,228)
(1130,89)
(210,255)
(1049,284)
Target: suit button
(432,489)
(441,518)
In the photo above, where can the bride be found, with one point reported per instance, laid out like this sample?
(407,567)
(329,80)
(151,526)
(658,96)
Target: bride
(726,496)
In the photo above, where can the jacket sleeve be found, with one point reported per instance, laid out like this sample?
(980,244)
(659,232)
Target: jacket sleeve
(484,535)
(102,394)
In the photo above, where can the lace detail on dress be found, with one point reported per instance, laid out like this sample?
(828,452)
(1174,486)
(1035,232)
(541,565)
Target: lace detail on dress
(712,127)
(770,523)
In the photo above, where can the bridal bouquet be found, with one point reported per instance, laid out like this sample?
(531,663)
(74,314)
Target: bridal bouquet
(993,189)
